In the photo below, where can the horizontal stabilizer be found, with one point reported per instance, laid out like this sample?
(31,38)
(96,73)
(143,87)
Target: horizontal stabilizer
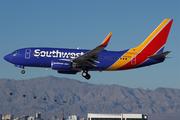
(160,55)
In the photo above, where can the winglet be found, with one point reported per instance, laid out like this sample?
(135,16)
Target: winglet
(106,40)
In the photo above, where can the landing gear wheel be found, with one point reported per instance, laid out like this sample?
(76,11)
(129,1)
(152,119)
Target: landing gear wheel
(23,71)
(86,75)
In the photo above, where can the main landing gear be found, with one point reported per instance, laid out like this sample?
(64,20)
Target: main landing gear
(86,75)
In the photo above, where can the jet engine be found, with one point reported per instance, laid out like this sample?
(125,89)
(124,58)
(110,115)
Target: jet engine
(68,72)
(61,65)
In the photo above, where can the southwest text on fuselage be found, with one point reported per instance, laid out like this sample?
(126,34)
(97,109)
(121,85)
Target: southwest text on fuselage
(56,54)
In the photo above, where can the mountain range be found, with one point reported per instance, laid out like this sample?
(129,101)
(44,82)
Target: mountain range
(83,98)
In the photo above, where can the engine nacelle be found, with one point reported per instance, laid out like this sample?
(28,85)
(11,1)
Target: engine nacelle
(67,72)
(61,65)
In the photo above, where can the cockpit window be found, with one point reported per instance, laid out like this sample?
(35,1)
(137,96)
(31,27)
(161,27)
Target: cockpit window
(15,52)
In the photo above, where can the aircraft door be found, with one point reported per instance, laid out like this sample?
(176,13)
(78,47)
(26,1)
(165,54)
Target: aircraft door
(133,61)
(27,53)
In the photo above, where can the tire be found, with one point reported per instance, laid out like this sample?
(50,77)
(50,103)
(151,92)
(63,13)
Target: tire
(23,71)
(88,77)
(84,74)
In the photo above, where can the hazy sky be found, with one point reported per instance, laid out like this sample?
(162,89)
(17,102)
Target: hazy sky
(85,24)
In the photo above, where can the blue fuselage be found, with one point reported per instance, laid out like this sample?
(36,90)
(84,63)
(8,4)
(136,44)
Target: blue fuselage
(42,57)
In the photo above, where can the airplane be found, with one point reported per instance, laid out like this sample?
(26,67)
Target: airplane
(72,61)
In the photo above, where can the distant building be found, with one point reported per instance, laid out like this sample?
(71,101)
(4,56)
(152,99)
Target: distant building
(17,118)
(24,117)
(31,118)
(65,119)
(73,117)
(0,116)
(38,116)
(92,116)
(54,117)
(8,117)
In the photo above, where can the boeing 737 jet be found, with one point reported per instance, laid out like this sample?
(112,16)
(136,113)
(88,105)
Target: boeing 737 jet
(72,61)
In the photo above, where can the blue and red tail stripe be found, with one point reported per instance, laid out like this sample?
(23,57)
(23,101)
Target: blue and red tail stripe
(153,44)
(156,43)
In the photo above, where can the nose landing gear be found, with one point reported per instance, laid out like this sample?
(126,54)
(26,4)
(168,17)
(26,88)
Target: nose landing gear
(86,75)
(23,71)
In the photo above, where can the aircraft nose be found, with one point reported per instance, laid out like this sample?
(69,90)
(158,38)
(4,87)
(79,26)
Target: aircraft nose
(7,58)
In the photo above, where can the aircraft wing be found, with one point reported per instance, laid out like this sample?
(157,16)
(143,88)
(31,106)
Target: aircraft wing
(90,58)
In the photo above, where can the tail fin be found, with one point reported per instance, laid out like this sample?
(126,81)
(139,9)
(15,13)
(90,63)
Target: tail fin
(152,48)
(156,41)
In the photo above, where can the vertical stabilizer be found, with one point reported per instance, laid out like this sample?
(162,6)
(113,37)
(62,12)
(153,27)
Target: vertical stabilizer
(156,41)
(152,47)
